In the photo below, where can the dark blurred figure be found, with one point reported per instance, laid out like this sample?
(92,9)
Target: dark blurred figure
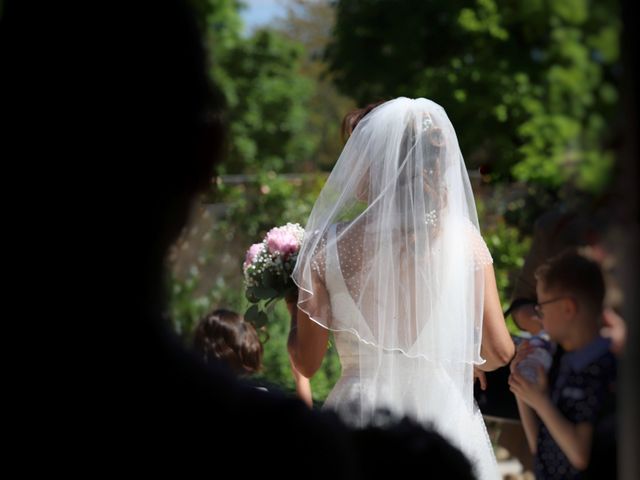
(135,139)
(423,453)
(625,241)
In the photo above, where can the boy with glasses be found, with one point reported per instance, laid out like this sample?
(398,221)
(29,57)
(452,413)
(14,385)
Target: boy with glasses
(558,415)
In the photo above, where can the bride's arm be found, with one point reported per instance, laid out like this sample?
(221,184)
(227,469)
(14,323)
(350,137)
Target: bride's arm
(308,340)
(497,346)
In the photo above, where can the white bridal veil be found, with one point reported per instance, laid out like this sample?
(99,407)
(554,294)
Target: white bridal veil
(393,257)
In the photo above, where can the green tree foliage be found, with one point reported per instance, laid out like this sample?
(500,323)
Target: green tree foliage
(507,244)
(266,105)
(530,85)
(266,96)
(310,23)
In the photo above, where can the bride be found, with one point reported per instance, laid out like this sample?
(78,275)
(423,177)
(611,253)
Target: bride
(394,265)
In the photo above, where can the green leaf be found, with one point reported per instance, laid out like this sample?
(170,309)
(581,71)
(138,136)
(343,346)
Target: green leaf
(271,300)
(251,295)
(261,319)
(265,293)
(269,280)
(252,314)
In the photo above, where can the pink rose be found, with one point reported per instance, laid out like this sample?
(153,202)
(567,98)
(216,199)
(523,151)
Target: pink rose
(281,241)
(252,253)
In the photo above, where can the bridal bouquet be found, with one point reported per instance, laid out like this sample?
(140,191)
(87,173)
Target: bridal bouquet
(268,267)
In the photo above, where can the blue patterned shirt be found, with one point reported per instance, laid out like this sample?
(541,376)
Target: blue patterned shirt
(585,378)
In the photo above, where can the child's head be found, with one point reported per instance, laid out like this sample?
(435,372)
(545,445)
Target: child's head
(224,335)
(570,291)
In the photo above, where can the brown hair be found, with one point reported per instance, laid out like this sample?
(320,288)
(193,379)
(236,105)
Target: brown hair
(224,335)
(430,177)
(575,274)
(351,119)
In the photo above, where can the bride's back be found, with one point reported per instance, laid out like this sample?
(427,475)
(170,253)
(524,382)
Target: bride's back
(394,264)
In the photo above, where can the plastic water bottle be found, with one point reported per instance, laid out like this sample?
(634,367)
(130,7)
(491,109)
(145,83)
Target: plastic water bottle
(541,355)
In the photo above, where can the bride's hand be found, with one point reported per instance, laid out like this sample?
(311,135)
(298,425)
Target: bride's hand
(481,376)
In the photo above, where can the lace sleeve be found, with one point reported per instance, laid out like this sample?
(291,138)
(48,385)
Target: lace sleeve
(318,262)
(480,251)
(313,296)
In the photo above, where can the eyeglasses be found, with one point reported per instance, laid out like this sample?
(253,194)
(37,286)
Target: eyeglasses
(538,309)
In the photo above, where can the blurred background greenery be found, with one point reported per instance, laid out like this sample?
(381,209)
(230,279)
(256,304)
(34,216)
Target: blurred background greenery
(531,87)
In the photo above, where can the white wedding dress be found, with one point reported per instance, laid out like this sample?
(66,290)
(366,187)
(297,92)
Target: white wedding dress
(393,264)
(437,402)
